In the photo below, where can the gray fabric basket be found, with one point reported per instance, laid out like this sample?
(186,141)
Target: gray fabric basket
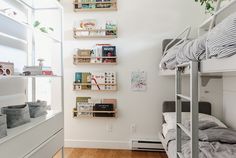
(3,126)
(16,115)
(37,109)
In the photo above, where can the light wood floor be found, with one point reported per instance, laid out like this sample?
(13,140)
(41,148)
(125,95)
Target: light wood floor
(104,153)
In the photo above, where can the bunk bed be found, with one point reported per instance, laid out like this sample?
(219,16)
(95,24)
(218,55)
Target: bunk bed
(189,142)
(208,65)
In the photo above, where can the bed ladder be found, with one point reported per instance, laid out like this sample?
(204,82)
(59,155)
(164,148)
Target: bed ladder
(193,132)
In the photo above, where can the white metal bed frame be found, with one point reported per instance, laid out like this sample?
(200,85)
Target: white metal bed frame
(192,133)
(193,98)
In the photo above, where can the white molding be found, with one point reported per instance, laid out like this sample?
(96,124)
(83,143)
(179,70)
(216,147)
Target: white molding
(98,144)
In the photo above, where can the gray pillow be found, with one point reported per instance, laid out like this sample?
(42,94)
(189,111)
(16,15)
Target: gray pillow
(221,40)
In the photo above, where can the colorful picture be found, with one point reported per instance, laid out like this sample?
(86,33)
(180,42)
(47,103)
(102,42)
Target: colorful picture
(138,80)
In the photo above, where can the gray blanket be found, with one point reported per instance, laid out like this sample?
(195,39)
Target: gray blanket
(214,142)
(221,40)
(189,50)
(193,50)
(168,61)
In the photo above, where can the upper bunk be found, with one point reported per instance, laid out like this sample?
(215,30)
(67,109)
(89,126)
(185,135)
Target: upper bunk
(208,66)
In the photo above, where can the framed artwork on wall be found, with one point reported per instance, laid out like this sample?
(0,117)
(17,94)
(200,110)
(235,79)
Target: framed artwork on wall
(138,81)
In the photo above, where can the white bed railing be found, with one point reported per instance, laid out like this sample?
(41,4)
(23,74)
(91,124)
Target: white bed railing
(184,33)
(210,23)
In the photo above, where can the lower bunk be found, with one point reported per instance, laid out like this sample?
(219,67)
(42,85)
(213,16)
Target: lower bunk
(215,139)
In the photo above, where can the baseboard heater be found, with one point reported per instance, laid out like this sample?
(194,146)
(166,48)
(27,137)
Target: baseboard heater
(147,145)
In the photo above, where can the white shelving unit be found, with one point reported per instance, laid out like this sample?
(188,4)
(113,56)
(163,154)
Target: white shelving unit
(43,137)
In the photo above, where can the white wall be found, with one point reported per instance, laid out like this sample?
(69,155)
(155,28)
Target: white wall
(229,100)
(142,26)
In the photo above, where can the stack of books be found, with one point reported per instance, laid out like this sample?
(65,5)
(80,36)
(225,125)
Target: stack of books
(83,106)
(37,70)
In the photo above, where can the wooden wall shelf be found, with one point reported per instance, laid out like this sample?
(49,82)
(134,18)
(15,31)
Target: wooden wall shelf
(88,112)
(93,30)
(76,87)
(108,112)
(77,61)
(93,107)
(78,6)
(89,57)
(92,33)
(95,37)
(81,63)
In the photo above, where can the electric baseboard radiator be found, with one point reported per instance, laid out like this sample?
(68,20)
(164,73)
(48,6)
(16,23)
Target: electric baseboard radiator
(147,145)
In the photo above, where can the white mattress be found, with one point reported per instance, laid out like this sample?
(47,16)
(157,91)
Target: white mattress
(171,151)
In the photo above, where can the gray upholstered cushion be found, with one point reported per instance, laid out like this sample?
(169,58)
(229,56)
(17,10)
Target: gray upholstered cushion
(169,106)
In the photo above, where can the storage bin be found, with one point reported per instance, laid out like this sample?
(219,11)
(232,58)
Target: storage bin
(3,126)
(16,115)
(37,109)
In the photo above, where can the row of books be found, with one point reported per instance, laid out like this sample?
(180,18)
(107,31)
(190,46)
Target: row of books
(87,106)
(37,70)
(102,53)
(91,27)
(95,81)
(93,6)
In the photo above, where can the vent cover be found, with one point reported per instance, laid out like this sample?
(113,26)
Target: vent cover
(147,145)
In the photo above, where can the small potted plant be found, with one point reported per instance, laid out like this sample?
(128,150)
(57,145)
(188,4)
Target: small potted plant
(209,5)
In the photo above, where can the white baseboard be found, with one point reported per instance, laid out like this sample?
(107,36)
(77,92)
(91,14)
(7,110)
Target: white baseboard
(97,144)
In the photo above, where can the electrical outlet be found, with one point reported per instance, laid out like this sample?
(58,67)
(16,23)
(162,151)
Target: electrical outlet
(133,128)
(109,128)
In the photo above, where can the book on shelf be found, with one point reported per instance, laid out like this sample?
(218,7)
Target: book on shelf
(109,51)
(95,81)
(78,77)
(109,101)
(83,99)
(84,78)
(101,51)
(96,55)
(94,100)
(103,107)
(111,28)
(103,81)
(83,106)
(110,79)
(84,52)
